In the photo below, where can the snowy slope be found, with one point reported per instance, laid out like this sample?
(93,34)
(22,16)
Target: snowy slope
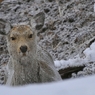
(84,86)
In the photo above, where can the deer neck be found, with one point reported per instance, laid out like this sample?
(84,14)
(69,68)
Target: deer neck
(25,71)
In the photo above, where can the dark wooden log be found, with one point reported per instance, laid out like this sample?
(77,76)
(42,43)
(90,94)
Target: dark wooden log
(67,72)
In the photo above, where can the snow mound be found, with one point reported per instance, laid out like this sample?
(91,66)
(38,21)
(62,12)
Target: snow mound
(83,86)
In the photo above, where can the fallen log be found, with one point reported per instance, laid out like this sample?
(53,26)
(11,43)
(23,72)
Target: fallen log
(67,72)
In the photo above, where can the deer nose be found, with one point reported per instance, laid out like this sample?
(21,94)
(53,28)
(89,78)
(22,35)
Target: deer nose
(23,49)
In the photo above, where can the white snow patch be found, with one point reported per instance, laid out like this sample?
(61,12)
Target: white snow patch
(77,61)
(94,6)
(82,86)
(9,0)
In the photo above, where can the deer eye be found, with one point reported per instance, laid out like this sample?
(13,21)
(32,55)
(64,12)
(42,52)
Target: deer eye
(13,38)
(30,36)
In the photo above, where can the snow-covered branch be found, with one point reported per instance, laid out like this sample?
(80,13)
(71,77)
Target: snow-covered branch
(77,61)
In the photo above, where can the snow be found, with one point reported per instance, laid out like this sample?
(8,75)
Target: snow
(82,86)
(9,0)
(94,5)
(77,61)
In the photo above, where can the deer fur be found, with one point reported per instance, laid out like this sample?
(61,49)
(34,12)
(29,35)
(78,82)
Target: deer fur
(31,65)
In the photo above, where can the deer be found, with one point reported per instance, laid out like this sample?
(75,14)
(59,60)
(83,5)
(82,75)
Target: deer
(28,62)
(1,1)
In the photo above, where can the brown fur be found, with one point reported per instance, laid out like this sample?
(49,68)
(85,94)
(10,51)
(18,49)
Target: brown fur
(1,1)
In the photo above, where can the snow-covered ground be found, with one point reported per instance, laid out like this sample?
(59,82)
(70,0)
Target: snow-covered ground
(83,86)
(89,56)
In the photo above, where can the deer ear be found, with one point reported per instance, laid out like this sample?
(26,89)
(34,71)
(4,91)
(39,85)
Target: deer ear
(37,22)
(4,27)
